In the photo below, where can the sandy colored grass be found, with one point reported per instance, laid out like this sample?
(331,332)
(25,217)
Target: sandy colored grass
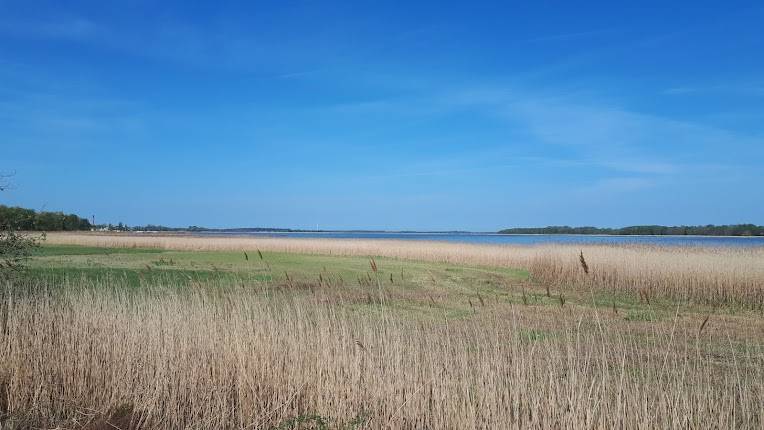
(166,349)
(242,356)
(711,276)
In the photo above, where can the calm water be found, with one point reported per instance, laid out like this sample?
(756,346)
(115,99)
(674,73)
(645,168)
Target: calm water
(527,239)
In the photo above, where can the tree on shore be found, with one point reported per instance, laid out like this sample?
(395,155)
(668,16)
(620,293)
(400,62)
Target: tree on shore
(29,220)
(15,247)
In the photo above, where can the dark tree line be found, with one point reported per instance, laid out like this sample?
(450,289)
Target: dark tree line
(652,230)
(30,220)
(15,248)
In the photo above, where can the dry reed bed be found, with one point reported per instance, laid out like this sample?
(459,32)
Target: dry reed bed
(687,274)
(218,356)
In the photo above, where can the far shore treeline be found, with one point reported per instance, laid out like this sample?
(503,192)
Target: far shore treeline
(31,220)
(648,230)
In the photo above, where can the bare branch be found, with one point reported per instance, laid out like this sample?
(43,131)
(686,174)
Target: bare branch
(5,183)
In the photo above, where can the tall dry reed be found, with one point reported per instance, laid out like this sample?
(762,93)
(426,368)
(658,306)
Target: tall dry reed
(236,356)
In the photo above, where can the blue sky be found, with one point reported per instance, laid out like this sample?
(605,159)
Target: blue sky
(385,115)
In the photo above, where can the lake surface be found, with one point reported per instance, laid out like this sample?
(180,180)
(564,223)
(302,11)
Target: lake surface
(524,239)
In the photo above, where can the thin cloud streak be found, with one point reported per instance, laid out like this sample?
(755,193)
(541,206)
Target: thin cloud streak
(753,89)
(573,35)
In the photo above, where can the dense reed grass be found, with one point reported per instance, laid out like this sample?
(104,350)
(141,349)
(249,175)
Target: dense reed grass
(236,355)
(714,276)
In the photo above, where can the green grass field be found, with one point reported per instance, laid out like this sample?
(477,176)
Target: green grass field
(408,285)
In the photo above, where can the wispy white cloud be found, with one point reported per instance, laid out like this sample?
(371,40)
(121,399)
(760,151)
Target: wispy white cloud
(563,131)
(301,74)
(754,89)
(615,185)
(642,166)
(572,35)
(159,39)
(608,135)
(45,119)
(680,90)
(611,132)
(64,27)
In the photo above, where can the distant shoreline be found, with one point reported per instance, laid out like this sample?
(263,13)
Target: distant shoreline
(465,233)
(221,233)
